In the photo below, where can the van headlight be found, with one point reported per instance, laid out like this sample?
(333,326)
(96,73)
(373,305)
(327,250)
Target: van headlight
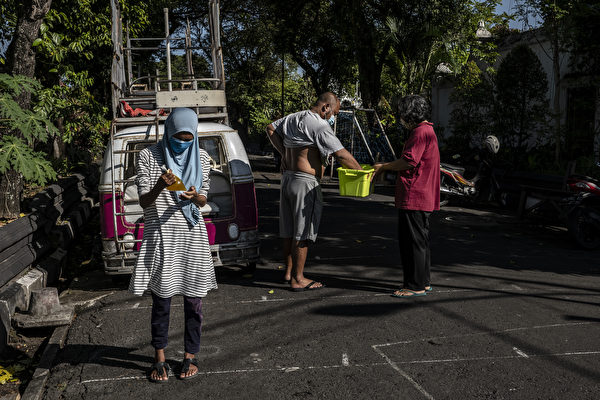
(233,231)
(129,241)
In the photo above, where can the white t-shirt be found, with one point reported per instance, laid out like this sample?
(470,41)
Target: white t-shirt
(306,128)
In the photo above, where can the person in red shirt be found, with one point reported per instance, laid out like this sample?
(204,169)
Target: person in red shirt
(417,194)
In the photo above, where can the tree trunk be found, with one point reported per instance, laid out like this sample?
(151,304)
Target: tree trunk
(11,192)
(21,61)
(58,144)
(369,69)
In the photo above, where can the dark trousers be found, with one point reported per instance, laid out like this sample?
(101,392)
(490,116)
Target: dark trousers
(413,239)
(161,309)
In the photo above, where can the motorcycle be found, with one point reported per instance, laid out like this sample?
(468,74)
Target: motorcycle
(483,186)
(583,215)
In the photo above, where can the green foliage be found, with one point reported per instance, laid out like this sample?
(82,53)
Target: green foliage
(73,62)
(583,38)
(473,104)
(253,63)
(16,154)
(432,33)
(20,131)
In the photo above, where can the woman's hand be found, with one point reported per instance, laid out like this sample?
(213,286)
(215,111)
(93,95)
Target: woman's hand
(379,168)
(195,197)
(166,179)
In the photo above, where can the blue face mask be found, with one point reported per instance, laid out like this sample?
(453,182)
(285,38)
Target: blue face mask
(331,120)
(179,146)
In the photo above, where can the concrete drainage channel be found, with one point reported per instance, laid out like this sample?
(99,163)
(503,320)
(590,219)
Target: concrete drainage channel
(45,309)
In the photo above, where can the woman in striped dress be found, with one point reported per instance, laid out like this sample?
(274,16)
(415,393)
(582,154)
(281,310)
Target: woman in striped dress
(175,257)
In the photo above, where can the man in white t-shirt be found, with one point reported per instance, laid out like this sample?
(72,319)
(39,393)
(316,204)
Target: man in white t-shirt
(305,141)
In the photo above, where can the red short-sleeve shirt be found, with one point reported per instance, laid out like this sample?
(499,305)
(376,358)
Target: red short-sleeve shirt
(418,188)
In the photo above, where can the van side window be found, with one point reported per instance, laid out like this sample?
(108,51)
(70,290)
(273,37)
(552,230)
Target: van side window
(214,148)
(131,157)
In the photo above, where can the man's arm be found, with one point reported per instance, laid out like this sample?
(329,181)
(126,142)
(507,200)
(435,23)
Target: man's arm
(344,157)
(275,139)
(277,142)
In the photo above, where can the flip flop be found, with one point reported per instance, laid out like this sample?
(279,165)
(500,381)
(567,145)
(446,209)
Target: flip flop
(430,288)
(186,367)
(307,287)
(414,294)
(162,368)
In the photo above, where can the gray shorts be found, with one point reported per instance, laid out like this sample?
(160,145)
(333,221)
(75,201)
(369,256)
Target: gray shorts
(300,206)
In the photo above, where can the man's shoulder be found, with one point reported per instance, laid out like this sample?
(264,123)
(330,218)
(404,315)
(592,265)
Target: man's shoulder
(302,115)
(313,121)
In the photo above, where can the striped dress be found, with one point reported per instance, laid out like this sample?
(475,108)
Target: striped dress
(175,258)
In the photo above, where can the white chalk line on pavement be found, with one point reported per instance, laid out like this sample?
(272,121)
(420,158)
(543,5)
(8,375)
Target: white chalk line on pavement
(276,300)
(523,328)
(395,366)
(264,299)
(388,362)
(240,371)
(508,357)
(520,354)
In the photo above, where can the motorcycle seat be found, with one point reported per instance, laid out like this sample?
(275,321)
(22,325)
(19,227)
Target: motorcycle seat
(576,177)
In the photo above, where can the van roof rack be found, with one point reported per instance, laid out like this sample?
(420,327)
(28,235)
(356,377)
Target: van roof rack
(147,99)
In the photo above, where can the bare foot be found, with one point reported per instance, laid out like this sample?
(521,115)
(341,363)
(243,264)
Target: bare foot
(408,293)
(305,284)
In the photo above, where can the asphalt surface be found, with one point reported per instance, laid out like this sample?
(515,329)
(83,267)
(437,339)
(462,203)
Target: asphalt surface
(513,315)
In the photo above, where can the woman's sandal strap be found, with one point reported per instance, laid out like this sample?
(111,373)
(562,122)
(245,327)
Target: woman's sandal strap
(186,364)
(162,369)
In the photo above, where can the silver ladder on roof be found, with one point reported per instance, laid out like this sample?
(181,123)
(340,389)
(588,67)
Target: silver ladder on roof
(159,93)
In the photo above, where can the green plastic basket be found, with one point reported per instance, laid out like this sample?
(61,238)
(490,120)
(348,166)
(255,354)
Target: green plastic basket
(354,182)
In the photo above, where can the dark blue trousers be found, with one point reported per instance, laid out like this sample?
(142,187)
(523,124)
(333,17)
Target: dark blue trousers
(161,309)
(413,238)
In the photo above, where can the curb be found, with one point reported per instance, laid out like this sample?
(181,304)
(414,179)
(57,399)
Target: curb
(15,296)
(36,385)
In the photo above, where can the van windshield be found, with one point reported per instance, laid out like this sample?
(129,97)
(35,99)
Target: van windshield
(212,145)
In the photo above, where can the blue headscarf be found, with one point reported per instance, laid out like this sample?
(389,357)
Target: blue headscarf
(186,165)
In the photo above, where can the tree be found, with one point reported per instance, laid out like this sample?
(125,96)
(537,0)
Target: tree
(521,103)
(308,32)
(473,108)
(583,42)
(20,62)
(554,14)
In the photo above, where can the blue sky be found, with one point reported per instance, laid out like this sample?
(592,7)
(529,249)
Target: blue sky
(509,6)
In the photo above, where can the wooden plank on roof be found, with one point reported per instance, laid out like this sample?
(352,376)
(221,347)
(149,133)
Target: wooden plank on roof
(190,98)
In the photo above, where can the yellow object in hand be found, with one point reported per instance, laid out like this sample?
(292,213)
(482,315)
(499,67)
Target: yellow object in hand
(178,185)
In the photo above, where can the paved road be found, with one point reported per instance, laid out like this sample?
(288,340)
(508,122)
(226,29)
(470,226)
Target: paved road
(514,315)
